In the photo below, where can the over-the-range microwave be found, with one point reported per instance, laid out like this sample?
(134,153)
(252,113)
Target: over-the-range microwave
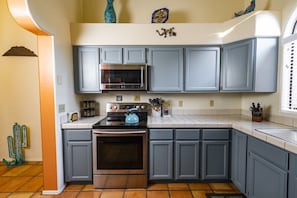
(123,77)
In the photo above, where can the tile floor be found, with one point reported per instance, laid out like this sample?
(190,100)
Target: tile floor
(27,180)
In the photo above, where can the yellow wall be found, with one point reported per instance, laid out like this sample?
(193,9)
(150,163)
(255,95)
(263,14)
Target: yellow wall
(18,86)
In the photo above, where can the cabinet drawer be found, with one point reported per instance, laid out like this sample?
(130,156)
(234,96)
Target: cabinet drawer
(187,134)
(161,134)
(78,135)
(269,152)
(215,134)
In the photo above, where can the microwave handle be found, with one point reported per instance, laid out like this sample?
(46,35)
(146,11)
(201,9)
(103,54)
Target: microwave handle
(142,76)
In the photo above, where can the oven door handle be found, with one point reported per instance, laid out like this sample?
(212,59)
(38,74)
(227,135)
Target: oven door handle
(115,132)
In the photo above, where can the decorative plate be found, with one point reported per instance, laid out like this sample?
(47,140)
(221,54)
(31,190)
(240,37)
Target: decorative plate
(160,15)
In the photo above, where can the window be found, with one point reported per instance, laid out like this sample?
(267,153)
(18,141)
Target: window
(289,80)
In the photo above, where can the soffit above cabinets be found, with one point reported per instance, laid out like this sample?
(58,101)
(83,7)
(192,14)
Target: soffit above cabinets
(255,24)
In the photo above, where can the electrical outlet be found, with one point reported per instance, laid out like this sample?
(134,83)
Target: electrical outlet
(211,103)
(180,103)
(137,98)
(61,108)
(119,98)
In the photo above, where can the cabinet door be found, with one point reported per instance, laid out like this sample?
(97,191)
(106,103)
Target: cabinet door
(161,160)
(111,55)
(238,160)
(202,69)
(86,68)
(78,161)
(165,69)
(186,160)
(133,55)
(237,66)
(293,176)
(215,160)
(265,179)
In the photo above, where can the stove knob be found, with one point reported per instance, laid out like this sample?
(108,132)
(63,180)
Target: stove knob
(114,107)
(142,107)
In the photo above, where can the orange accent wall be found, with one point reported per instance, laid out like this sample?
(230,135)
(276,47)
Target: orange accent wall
(22,16)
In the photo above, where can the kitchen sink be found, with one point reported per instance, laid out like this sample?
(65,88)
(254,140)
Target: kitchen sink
(287,134)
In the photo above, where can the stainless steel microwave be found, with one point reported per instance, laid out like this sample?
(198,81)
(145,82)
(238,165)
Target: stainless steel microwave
(123,77)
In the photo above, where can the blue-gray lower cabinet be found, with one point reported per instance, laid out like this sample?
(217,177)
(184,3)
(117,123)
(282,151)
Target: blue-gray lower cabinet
(161,154)
(187,154)
(238,160)
(267,170)
(293,176)
(215,154)
(77,155)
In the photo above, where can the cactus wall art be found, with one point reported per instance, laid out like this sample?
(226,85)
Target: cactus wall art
(16,145)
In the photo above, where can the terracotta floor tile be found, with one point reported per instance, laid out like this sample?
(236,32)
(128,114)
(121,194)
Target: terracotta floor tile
(181,194)
(90,187)
(33,171)
(74,187)
(221,186)
(3,169)
(199,194)
(199,186)
(21,195)
(13,184)
(158,187)
(16,171)
(112,194)
(93,194)
(4,195)
(32,185)
(67,194)
(157,194)
(39,195)
(135,194)
(178,186)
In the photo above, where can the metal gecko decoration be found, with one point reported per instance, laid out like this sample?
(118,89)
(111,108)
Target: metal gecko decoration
(166,32)
(16,145)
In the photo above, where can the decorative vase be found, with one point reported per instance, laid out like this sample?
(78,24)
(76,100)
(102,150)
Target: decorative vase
(109,14)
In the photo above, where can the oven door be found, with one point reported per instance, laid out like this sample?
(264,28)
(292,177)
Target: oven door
(119,151)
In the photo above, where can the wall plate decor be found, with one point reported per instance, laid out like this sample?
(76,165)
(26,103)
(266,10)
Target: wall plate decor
(160,16)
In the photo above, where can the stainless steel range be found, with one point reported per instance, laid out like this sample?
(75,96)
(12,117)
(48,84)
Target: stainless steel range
(120,148)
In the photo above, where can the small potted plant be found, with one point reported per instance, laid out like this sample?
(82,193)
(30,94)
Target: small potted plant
(257,112)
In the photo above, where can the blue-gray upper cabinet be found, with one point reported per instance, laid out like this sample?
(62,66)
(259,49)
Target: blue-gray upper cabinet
(267,170)
(86,69)
(120,55)
(293,176)
(165,69)
(77,155)
(245,62)
(161,154)
(238,160)
(215,154)
(187,157)
(202,69)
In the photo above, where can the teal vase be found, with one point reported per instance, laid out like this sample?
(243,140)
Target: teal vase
(109,14)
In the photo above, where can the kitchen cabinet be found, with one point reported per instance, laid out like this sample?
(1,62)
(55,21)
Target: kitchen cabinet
(245,62)
(77,150)
(165,69)
(202,69)
(161,154)
(267,168)
(215,154)
(238,160)
(86,69)
(120,55)
(187,157)
(292,188)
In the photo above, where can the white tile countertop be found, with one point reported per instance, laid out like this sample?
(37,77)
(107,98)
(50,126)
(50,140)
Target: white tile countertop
(240,123)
